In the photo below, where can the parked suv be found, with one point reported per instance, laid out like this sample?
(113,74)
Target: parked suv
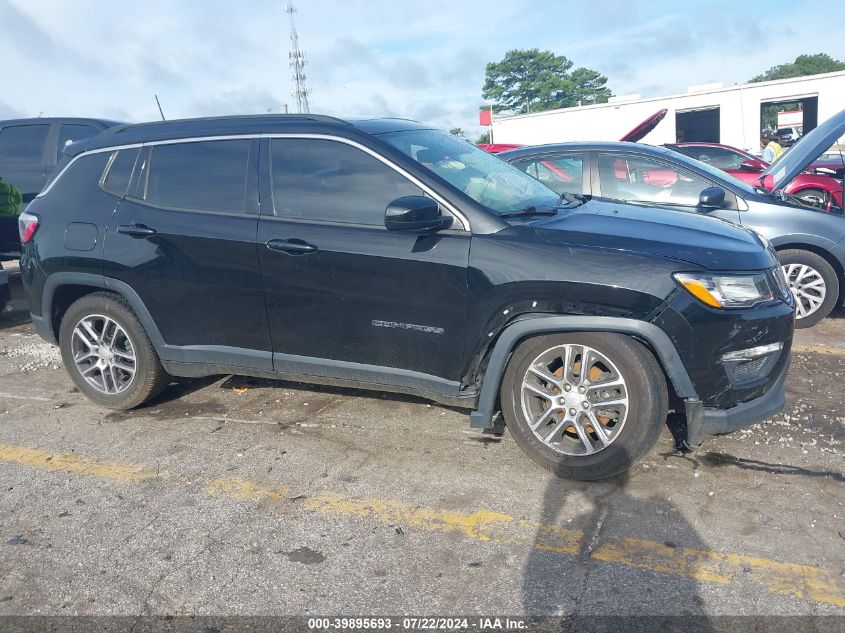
(29,152)
(386,255)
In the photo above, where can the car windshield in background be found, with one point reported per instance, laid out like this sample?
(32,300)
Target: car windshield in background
(717,174)
(718,157)
(483,177)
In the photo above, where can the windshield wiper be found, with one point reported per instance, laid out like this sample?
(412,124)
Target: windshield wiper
(526,212)
(572,198)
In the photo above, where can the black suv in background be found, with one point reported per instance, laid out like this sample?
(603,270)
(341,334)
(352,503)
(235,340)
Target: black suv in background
(387,255)
(29,152)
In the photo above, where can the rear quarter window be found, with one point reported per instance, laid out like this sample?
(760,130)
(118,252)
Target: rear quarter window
(81,179)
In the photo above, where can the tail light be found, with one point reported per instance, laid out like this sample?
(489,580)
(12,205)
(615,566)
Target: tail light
(27,226)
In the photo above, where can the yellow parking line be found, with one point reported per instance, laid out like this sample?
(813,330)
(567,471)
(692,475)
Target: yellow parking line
(70,462)
(243,490)
(802,581)
(818,349)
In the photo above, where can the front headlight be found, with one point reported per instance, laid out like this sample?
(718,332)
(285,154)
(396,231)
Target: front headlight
(727,291)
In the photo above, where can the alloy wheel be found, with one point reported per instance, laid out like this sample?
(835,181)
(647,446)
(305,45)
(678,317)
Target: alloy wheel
(807,286)
(103,354)
(574,399)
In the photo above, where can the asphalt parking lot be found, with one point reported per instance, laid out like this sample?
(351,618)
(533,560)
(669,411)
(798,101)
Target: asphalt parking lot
(244,496)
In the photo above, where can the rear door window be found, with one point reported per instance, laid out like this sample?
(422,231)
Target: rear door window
(329,181)
(119,171)
(640,178)
(23,144)
(201,175)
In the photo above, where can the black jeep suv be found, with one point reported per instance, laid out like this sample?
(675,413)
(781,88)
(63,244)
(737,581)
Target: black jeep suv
(387,255)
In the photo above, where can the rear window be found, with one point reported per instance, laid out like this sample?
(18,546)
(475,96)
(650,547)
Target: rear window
(23,144)
(74,132)
(202,175)
(119,171)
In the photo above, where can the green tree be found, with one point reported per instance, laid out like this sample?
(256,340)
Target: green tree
(533,80)
(590,86)
(484,138)
(457,132)
(802,66)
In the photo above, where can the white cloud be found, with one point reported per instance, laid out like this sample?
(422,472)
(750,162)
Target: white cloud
(411,58)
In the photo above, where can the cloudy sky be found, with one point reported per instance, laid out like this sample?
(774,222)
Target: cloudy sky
(419,59)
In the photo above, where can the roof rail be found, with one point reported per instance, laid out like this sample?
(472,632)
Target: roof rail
(280,117)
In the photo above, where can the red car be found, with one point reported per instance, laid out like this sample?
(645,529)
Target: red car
(495,148)
(815,189)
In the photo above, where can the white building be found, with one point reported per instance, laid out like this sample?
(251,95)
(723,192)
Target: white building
(713,113)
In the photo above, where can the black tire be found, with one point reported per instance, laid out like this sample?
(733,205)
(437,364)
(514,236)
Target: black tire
(149,378)
(827,273)
(814,197)
(647,411)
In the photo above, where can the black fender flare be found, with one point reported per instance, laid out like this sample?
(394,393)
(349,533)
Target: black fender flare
(667,355)
(44,323)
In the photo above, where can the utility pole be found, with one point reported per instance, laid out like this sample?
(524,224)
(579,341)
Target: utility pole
(297,64)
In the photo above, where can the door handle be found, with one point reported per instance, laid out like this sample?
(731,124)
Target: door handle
(292,247)
(136,230)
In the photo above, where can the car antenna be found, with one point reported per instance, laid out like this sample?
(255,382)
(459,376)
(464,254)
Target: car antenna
(160,111)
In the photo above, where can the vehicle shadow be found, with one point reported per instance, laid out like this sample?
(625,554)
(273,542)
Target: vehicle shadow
(180,387)
(607,585)
(723,459)
(235,382)
(13,317)
(16,312)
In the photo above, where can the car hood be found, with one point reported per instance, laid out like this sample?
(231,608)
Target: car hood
(806,149)
(704,241)
(645,127)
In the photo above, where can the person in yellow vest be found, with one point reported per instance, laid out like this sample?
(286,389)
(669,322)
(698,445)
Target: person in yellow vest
(771,149)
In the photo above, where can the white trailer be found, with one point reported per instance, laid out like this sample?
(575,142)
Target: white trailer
(732,115)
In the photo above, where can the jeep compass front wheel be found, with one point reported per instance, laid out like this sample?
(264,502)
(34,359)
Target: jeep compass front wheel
(584,405)
(107,353)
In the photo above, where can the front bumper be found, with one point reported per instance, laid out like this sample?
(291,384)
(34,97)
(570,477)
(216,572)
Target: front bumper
(704,422)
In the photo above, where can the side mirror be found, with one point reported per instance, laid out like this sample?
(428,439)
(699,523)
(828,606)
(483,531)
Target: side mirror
(711,198)
(750,165)
(415,213)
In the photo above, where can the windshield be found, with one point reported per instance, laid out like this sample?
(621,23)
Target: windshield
(483,177)
(718,174)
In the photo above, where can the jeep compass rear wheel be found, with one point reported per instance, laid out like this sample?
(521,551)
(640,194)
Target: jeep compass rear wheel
(107,353)
(584,405)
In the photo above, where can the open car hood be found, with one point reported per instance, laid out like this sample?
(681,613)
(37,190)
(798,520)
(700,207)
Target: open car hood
(645,127)
(806,149)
